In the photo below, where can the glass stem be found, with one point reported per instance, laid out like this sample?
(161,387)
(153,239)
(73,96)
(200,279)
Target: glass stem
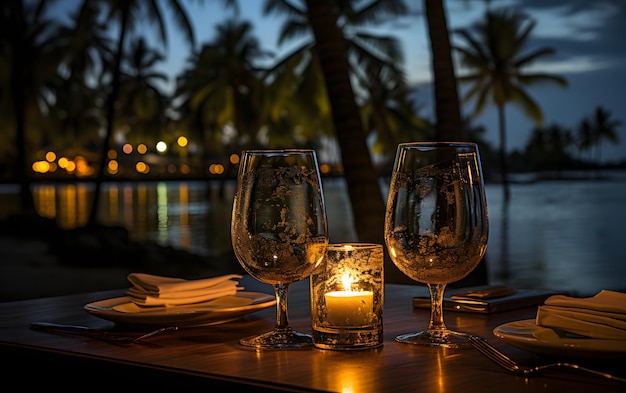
(282,319)
(436,323)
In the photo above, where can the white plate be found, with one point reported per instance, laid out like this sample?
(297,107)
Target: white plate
(527,335)
(121,310)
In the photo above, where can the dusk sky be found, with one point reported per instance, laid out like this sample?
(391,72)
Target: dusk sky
(589,38)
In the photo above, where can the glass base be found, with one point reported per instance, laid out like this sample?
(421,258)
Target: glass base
(437,338)
(277,339)
(347,338)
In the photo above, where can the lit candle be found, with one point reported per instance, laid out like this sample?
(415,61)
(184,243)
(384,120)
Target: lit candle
(349,308)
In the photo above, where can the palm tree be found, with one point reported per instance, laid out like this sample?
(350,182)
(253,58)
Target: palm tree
(297,109)
(29,62)
(498,70)
(549,148)
(334,53)
(86,45)
(368,52)
(594,129)
(374,61)
(220,90)
(87,48)
(142,105)
(391,115)
(124,13)
(448,112)
(76,116)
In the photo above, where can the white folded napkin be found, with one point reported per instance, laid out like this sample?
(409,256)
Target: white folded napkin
(600,316)
(151,290)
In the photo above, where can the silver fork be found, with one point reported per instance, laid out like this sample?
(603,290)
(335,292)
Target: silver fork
(509,364)
(97,333)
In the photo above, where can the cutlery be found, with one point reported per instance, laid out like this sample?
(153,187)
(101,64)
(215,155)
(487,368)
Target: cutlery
(509,364)
(100,334)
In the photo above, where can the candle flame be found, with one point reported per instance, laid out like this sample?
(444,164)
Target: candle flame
(347,281)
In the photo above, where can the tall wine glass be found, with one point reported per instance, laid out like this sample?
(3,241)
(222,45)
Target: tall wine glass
(436,225)
(278,230)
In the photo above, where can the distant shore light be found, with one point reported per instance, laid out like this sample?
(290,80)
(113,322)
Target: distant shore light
(161,147)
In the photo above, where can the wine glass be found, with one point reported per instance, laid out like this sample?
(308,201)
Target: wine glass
(436,225)
(278,229)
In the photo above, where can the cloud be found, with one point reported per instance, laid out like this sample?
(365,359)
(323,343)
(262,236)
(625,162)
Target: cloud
(596,26)
(579,27)
(572,65)
(589,38)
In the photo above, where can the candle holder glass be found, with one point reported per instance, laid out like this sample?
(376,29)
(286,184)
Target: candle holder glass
(347,296)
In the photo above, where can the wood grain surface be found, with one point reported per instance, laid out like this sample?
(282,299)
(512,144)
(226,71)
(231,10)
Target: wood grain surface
(211,357)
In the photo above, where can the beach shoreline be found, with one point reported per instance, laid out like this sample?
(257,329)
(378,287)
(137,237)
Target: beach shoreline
(38,259)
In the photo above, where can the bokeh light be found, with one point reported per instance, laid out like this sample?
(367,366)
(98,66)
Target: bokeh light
(161,147)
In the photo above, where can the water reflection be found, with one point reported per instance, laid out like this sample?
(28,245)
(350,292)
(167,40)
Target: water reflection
(563,235)
(183,195)
(45,200)
(504,273)
(68,204)
(161,191)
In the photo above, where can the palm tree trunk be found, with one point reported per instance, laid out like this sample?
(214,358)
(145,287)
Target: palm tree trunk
(368,207)
(110,115)
(449,126)
(503,163)
(19,103)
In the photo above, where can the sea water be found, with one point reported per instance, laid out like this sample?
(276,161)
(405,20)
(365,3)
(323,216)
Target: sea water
(561,234)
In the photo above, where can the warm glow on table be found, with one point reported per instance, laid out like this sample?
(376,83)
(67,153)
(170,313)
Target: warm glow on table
(349,308)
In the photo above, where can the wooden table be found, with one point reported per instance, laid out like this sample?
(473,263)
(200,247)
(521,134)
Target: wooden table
(210,357)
